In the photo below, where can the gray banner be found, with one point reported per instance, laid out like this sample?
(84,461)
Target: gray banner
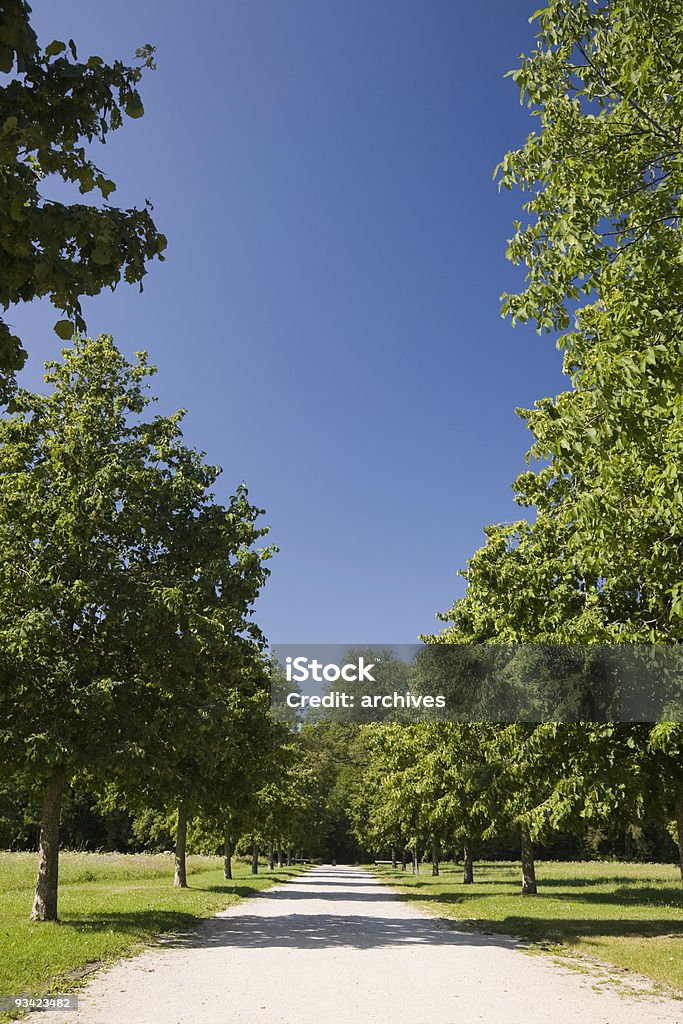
(478,683)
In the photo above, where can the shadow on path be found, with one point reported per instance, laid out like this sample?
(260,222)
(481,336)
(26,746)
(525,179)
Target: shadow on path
(318,931)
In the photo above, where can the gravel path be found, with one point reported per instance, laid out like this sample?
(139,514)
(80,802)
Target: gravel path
(336,947)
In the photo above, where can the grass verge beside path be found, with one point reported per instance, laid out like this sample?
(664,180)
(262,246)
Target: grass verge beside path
(630,915)
(108,905)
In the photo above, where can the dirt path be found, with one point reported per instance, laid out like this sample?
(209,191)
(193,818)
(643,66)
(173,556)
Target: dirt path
(336,947)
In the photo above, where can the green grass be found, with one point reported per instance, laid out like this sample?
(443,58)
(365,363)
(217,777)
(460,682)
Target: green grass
(630,915)
(108,905)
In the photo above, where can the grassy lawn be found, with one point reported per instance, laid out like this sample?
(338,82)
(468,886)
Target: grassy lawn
(630,915)
(108,904)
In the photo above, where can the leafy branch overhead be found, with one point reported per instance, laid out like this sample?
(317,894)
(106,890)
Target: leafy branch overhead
(52,105)
(604,169)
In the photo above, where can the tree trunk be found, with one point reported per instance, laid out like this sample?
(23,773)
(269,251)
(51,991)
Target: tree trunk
(416,863)
(468,862)
(393,857)
(227,854)
(254,859)
(404,860)
(678,810)
(628,846)
(179,865)
(271,857)
(528,866)
(45,900)
(290,855)
(435,857)
(280,857)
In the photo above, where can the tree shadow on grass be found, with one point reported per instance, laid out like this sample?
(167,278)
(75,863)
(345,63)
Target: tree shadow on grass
(557,929)
(628,896)
(428,881)
(243,891)
(141,923)
(584,883)
(572,929)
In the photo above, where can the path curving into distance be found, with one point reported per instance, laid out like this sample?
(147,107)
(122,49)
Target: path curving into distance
(334,946)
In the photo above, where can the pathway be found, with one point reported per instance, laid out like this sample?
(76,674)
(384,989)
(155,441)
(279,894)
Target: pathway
(334,946)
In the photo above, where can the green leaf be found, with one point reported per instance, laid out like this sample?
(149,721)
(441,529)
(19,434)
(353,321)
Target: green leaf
(6,59)
(64,329)
(134,107)
(55,47)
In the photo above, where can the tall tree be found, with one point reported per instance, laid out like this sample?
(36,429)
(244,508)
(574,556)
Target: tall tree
(602,246)
(101,518)
(601,243)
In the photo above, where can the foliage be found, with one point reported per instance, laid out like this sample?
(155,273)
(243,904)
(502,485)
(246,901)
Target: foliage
(107,528)
(51,106)
(600,560)
(129,656)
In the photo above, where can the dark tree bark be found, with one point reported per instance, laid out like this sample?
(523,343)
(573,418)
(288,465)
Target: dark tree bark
(435,857)
(45,900)
(179,865)
(271,857)
(468,861)
(227,854)
(280,857)
(290,857)
(254,859)
(404,859)
(678,811)
(528,866)
(416,863)
(393,857)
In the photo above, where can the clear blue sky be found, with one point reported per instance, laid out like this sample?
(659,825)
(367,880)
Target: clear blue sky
(329,308)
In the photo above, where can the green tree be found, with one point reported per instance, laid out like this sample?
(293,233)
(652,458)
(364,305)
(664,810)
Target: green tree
(602,247)
(51,106)
(103,517)
(601,242)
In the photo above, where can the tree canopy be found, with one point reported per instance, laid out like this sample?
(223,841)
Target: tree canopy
(126,588)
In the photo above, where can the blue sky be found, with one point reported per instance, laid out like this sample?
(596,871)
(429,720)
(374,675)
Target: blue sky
(329,309)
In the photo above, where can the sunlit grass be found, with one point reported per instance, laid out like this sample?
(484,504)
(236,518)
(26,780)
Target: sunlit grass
(630,915)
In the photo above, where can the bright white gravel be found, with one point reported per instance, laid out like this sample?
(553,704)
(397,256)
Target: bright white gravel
(336,947)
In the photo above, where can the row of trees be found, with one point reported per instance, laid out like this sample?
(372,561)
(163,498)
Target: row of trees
(130,665)
(131,670)
(435,786)
(600,561)
(129,658)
